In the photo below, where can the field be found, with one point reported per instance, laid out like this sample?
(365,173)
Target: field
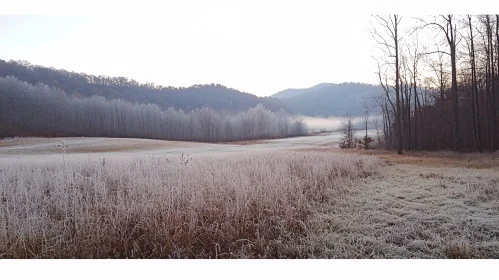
(286,198)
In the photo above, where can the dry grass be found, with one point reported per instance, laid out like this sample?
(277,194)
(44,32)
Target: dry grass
(7,142)
(411,211)
(421,205)
(119,148)
(439,159)
(317,202)
(239,206)
(34,146)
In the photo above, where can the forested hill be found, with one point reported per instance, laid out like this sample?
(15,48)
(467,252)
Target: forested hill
(292,92)
(328,99)
(321,100)
(216,96)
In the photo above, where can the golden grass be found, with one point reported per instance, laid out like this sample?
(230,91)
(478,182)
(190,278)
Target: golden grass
(435,159)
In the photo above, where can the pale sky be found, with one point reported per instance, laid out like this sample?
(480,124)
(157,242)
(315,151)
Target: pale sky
(259,48)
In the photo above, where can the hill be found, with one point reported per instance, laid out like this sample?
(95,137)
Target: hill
(292,92)
(328,99)
(216,96)
(321,100)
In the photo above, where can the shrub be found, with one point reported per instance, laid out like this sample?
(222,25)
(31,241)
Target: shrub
(347,143)
(365,142)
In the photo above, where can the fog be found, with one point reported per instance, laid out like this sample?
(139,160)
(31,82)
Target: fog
(317,124)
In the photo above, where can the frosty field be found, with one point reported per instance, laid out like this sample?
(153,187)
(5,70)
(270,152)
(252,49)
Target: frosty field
(286,198)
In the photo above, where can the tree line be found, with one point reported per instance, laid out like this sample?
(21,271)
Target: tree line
(440,81)
(216,96)
(43,111)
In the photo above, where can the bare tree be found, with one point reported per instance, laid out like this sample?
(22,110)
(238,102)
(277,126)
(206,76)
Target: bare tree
(42,111)
(448,26)
(496,95)
(367,111)
(387,111)
(390,40)
(415,57)
(348,134)
(475,107)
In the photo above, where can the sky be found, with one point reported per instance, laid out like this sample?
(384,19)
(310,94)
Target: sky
(255,47)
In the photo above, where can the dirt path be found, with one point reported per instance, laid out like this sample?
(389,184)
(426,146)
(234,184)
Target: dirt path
(413,211)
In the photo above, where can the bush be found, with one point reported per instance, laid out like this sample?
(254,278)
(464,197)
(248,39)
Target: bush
(348,140)
(347,143)
(361,143)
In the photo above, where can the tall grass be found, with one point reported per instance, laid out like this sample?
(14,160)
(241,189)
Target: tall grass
(237,206)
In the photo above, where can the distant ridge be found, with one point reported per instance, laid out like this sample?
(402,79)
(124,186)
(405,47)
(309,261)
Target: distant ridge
(322,100)
(288,93)
(216,96)
(328,99)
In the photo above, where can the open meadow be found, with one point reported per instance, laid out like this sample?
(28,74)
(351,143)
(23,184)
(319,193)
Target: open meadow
(287,198)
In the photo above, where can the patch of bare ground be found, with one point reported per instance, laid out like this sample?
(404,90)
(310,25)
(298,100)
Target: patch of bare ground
(414,211)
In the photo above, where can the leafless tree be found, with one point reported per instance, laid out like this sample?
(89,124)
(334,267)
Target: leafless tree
(348,134)
(386,34)
(448,25)
(38,110)
(367,111)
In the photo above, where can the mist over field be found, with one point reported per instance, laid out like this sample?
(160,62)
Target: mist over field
(317,124)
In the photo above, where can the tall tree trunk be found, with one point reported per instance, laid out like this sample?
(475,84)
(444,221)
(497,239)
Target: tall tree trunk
(454,84)
(488,82)
(403,121)
(495,85)
(442,108)
(416,101)
(474,95)
(397,91)
(408,100)
(496,94)
(493,92)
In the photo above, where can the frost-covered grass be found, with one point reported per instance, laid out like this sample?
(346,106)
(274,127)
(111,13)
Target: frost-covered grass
(414,211)
(242,205)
